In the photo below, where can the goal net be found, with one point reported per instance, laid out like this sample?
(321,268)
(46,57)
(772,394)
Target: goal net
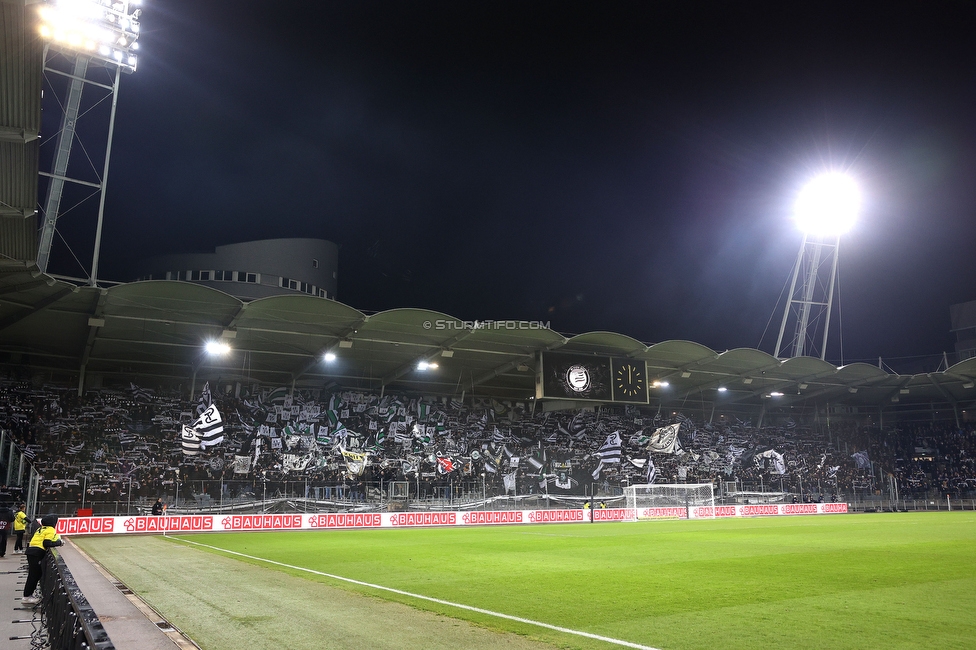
(670,501)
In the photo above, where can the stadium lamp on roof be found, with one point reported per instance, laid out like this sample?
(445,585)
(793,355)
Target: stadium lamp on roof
(108,32)
(828,205)
(217,348)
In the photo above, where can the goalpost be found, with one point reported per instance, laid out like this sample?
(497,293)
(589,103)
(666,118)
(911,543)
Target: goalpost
(670,501)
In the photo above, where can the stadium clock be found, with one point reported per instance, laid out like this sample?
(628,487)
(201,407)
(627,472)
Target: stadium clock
(629,381)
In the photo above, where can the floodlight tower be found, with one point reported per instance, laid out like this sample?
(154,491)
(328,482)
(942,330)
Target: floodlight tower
(825,209)
(83,34)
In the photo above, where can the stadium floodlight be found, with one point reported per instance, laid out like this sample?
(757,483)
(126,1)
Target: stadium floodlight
(103,35)
(660,384)
(108,32)
(330,357)
(722,389)
(776,393)
(828,205)
(425,365)
(217,348)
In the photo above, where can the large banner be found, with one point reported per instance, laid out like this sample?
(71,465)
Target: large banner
(324,521)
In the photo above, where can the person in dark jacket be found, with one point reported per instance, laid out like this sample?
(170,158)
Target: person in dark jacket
(6,525)
(43,540)
(158,507)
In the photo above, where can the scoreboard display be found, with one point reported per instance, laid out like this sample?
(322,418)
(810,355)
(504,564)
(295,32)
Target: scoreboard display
(592,378)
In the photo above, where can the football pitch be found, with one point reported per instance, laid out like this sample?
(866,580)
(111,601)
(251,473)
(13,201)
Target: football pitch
(900,580)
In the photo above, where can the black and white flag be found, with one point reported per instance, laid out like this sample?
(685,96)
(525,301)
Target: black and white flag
(651,470)
(206,431)
(206,399)
(608,453)
(191,441)
(210,427)
(665,440)
(862,459)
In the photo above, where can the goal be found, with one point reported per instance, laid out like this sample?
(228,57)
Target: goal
(671,501)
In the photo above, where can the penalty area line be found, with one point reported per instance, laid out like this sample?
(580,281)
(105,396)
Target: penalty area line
(431,599)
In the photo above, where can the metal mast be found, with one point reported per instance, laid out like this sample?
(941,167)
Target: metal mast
(88,36)
(811,297)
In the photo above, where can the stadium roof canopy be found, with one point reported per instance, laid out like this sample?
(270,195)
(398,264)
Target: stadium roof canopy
(156,331)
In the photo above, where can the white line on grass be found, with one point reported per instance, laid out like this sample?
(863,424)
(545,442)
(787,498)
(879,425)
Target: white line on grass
(488,612)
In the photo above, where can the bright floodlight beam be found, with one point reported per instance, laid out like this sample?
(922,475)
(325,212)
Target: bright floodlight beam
(825,209)
(107,32)
(828,205)
(217,348)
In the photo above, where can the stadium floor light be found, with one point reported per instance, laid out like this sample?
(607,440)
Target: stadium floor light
(825,209)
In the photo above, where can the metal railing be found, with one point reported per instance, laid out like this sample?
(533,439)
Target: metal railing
(70,621)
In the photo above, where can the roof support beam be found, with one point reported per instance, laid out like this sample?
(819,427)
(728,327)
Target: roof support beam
(40,305)
(23,286)
(896,390)
(949,398)
(94,324)
(505,367)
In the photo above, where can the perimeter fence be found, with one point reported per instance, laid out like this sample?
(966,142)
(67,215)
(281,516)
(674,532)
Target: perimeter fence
(67,620)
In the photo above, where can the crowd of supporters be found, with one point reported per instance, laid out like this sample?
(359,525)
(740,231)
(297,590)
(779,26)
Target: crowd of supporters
(125,445)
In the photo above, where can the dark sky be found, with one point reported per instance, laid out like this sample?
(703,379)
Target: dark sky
(623,166)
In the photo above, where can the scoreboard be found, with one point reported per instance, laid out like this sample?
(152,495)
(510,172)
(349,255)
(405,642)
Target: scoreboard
(594,378)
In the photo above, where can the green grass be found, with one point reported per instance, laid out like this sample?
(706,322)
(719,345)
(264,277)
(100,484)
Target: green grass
(845,581)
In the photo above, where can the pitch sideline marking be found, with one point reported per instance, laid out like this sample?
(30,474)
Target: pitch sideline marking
(488,612)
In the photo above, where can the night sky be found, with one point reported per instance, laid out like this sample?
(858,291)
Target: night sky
(622,166)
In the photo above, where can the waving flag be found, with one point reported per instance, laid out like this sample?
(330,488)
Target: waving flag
(140,394)
(608,453)
(665,440)
(209,427)
(445,465)
(242,464)
(190,441)
(206,399)
(651,470)
(355,462)
(206,431)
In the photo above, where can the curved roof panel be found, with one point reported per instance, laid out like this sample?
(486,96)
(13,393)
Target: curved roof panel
(609,343)
(158,328)
(677,353)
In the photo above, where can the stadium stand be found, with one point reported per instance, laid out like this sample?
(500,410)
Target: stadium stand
(116,451)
